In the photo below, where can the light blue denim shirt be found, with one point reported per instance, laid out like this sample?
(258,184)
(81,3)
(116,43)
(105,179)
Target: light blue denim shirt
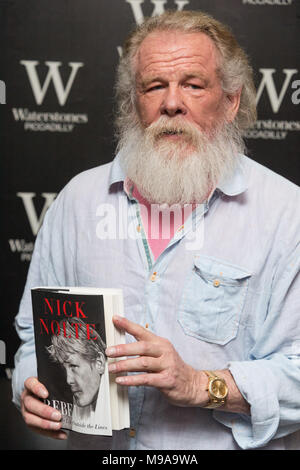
(225,293)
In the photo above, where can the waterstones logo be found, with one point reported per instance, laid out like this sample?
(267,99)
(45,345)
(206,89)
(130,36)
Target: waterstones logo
(52,122)
(39,90)
(35,221)
(276,129)
(22,247)
(158,8)
(276,97)
(49,121)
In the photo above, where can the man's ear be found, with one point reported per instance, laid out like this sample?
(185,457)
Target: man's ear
(100,363)
(232,105)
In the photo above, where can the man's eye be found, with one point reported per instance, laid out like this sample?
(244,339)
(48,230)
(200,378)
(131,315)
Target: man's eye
(155,87)
(194,87)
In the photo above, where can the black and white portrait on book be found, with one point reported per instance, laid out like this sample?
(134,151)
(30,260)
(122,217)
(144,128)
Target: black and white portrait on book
(83,360)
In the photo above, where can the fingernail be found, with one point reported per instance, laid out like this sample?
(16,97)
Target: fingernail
(56,416)
(110,351)
(55,426)
(43,393)
(112,367)
(117,317)
(121,380)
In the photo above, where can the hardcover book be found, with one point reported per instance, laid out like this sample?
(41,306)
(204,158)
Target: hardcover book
(72,327)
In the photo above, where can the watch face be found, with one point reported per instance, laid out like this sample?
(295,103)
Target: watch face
(218,388)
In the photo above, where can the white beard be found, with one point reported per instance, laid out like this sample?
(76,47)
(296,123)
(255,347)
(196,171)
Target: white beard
(180,171)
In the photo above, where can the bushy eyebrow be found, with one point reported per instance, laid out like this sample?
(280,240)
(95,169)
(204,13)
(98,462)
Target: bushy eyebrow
(146,81)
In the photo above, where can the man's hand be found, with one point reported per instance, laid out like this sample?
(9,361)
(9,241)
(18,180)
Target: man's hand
(39,417)
(160,366)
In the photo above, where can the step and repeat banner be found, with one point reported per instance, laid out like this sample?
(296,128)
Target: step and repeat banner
(57,69)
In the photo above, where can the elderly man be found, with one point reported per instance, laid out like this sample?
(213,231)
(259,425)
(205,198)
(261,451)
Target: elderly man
(212,320)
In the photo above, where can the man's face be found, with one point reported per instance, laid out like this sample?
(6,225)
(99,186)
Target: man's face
(84,379)
(184,140)
(177,77)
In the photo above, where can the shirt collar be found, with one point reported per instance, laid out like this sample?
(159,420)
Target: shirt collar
(231,186)
(117,174)
(237,182)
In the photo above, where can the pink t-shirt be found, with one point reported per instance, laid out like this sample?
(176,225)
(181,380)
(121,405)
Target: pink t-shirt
(159,222)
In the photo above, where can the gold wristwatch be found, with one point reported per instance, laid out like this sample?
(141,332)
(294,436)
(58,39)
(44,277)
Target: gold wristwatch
(217,390)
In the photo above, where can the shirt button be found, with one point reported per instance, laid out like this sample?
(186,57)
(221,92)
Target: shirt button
(216,282)
(132,432)
(153,277)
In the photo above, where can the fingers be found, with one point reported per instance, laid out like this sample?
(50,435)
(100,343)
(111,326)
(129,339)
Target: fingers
(35,387)
(156,361)
(139,332)
(157,380)
(36,422)
(140,348)
(37,415)
(148,344)
(35,407)
(139,364)
(156,364)
(149,348)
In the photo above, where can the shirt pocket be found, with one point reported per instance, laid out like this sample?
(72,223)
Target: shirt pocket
(213,299)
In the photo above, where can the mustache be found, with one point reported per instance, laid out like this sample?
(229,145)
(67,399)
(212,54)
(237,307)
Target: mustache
(173,126)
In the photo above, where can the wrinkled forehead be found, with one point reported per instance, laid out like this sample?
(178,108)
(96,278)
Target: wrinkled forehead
(172,50)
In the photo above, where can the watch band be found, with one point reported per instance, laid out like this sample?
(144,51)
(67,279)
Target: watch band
(215,401)
(210,374)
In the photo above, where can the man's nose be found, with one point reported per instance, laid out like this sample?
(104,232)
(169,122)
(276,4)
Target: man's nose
(173,104)
(69,377)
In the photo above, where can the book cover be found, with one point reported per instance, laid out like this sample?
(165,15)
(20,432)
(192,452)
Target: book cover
(71,328)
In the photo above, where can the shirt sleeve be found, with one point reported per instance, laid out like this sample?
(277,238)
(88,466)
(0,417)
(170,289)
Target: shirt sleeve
(270,377)
(45,269)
